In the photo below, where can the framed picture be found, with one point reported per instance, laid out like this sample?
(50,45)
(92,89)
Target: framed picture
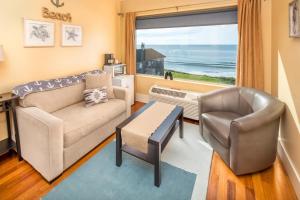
(294,19)
(71,35)
(38,33)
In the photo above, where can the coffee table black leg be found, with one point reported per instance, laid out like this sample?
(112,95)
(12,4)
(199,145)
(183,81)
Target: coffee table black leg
(181,125)
(157,174)
(118,148)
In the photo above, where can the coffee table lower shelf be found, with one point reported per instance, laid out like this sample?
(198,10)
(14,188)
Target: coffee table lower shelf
(156,143)
(6,145)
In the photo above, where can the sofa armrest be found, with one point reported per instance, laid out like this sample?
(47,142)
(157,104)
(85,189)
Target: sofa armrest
(123,93)
(41,138)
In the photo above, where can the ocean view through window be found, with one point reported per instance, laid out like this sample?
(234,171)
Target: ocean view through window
(198,53)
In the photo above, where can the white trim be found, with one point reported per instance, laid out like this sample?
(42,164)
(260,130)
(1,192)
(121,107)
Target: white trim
(289,167)
(144,98)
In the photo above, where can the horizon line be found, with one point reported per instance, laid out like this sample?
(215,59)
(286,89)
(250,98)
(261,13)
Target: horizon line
(188,44)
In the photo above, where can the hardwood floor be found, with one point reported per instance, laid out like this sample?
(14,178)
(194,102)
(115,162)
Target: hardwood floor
(272,183)
(18,180)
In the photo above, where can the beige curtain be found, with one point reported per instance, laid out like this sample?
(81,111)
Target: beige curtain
(250,69)
(130,48)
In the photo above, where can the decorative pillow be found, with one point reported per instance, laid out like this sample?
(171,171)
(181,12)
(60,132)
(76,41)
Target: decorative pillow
(98,81)
(95,96)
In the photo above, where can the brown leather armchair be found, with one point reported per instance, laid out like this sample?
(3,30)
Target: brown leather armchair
(241,124)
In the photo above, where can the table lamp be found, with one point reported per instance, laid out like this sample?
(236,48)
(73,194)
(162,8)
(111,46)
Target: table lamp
(1,53)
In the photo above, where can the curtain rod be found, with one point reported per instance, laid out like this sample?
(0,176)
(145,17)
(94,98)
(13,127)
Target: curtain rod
(165,8)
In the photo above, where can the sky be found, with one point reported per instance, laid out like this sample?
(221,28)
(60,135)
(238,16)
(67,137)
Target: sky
(205,35)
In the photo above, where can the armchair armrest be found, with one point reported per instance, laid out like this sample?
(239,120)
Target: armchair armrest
(254,138)
(41,138)
(123,93)
(259,118)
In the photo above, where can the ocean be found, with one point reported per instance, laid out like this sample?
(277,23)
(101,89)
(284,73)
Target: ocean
(211,60)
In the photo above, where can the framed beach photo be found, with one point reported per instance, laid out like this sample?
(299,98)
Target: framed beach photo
(294,19)
(39,33)
(71,35)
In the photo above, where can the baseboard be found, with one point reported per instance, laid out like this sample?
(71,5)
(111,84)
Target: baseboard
(144,98)
(289,167)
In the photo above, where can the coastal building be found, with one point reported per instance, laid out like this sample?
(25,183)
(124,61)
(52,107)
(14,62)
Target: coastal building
(150,61)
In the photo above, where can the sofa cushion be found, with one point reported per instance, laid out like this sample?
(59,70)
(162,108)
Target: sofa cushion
(79,120)
(54,100)
(98,81)
(218,123)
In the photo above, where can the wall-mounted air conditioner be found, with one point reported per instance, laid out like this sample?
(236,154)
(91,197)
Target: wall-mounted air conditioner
(187,99)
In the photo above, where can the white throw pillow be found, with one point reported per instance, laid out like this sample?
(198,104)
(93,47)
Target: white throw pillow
(95,96)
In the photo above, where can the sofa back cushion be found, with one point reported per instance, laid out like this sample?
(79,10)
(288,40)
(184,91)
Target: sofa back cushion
(53,100)
(93,81)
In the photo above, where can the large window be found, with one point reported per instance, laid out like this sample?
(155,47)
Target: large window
(198,52)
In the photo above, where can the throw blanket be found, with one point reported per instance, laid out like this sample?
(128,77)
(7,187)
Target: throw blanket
(46,85)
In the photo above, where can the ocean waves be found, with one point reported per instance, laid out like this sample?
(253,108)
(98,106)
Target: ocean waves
(203,64)
(211,60)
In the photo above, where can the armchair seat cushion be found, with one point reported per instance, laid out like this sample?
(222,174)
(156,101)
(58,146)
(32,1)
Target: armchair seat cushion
(218,123)
(79,120)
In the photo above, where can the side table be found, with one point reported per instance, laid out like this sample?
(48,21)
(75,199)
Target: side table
(125,81)
(8,103)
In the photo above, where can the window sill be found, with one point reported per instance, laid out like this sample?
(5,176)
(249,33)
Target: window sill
(220,85)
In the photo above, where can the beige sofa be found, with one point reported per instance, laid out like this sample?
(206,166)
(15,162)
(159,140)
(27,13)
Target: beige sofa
(56,129)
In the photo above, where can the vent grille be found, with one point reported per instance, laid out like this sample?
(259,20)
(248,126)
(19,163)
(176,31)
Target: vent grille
(169,92)
(186,99)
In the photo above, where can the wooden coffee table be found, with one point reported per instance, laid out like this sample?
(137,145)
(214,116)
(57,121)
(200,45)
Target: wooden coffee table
(156,142)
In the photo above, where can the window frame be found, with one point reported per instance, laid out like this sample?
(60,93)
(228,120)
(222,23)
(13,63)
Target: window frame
(186,79)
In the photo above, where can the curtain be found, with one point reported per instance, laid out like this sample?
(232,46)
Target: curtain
(130,44)
(250,68)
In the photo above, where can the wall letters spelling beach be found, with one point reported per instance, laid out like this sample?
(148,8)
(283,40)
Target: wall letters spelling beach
(66,17)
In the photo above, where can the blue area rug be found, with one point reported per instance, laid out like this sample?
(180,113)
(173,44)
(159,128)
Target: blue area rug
(100,178)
